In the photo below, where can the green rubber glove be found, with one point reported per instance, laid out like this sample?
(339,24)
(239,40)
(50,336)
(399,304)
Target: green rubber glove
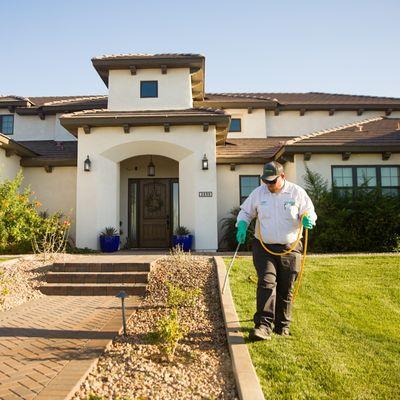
(306,221)
(241,232)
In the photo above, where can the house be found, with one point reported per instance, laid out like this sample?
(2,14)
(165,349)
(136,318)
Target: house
(158,152)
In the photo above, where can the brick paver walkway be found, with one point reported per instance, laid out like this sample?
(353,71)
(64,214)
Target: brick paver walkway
(48,345)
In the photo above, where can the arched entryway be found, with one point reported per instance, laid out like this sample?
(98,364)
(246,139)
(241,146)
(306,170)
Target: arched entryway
(149,201)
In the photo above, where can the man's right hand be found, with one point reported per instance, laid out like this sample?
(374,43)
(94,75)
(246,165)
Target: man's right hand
(241,232)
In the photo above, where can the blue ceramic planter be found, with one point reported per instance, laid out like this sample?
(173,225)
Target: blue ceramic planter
(184,241)
(109,244)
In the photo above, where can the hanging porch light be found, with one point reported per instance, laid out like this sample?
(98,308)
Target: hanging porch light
(151,168)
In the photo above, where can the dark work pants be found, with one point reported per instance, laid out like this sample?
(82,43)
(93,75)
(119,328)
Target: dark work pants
(276,278)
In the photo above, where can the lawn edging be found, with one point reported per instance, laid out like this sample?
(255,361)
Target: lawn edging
(247,382)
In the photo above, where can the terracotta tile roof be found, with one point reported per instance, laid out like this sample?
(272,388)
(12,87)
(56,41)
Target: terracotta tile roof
(51,149)
(62,100)
(146,56)
(310,98)
(379,134)
(250,150)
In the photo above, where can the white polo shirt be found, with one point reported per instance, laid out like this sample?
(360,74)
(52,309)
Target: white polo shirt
(279,213)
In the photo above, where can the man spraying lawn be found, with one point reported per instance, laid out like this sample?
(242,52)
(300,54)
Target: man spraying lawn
(281,207)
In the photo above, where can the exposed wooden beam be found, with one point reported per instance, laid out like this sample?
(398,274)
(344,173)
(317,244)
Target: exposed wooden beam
(360,111)
(206,125)
(346,155)
(164,69)
(48,169)
(86,129)
(233,166)
(276,112)
(388,111)
(127,128)
(307,156)
(331,111)
(386,155)
(249,110)
(133,69)
(42,115)
(167,127)
(302,111)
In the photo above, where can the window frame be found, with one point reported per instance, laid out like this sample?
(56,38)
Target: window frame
(142,96)
(354,177)
(1,124)
(240,125)
(240,185)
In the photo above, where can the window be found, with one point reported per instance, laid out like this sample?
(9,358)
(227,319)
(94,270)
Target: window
(247,184)
(236,125)
(346,179)
(148,89)
(7,124)
(390,180)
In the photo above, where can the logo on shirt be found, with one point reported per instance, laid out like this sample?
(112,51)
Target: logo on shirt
(288,203)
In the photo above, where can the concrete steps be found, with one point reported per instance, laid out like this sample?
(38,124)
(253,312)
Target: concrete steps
(96,279)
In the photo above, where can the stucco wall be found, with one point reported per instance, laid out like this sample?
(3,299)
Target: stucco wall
(322,163)
(174,90)
(31,127)
(136,167)
(9,166)
(290,123)
(98,196)
(253,124)
(56,190)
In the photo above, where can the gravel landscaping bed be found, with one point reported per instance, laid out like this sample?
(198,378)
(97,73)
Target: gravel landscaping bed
(135,368)
(20,278)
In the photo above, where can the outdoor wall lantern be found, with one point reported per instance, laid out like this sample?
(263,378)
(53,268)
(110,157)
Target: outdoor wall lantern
(151,168)
(204,163)
(87,165)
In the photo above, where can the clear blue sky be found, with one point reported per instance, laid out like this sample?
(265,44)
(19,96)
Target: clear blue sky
(335,46)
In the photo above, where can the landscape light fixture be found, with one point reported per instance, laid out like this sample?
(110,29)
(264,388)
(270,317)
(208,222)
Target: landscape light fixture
(204,163)
(87,165)
(151,168)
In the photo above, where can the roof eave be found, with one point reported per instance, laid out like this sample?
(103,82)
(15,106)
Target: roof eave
(329,148)
(72,123)
(10,145)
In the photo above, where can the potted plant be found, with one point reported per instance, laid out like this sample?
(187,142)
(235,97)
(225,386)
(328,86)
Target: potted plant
(109,240)
(182,238)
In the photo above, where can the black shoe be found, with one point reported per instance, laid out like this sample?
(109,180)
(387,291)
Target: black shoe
(261,333)
(282,331)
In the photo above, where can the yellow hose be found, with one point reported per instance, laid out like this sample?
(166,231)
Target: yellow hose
(303,260)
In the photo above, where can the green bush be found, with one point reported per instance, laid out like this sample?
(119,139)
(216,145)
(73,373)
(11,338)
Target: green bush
(19,219)
(168,333)
(22,228)
(362,220)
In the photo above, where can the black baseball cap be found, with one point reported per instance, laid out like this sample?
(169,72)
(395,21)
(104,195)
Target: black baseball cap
(272,170)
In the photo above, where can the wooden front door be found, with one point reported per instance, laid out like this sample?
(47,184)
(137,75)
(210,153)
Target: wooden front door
(154,213)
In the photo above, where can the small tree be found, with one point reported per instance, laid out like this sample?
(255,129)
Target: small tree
(19,219)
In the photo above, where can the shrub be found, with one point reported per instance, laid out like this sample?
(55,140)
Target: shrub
(228,230)
(181,231)
(178,297)
(363,220)
(19,220)
(168,333)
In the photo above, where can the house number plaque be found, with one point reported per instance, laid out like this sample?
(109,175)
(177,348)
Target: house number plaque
(205,194)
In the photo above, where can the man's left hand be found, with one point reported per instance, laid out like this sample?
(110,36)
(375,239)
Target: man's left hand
(306,221)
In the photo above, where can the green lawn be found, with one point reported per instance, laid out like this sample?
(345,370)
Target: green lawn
(345,341)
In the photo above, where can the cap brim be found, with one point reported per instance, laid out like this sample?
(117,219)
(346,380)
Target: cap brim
(269,178)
